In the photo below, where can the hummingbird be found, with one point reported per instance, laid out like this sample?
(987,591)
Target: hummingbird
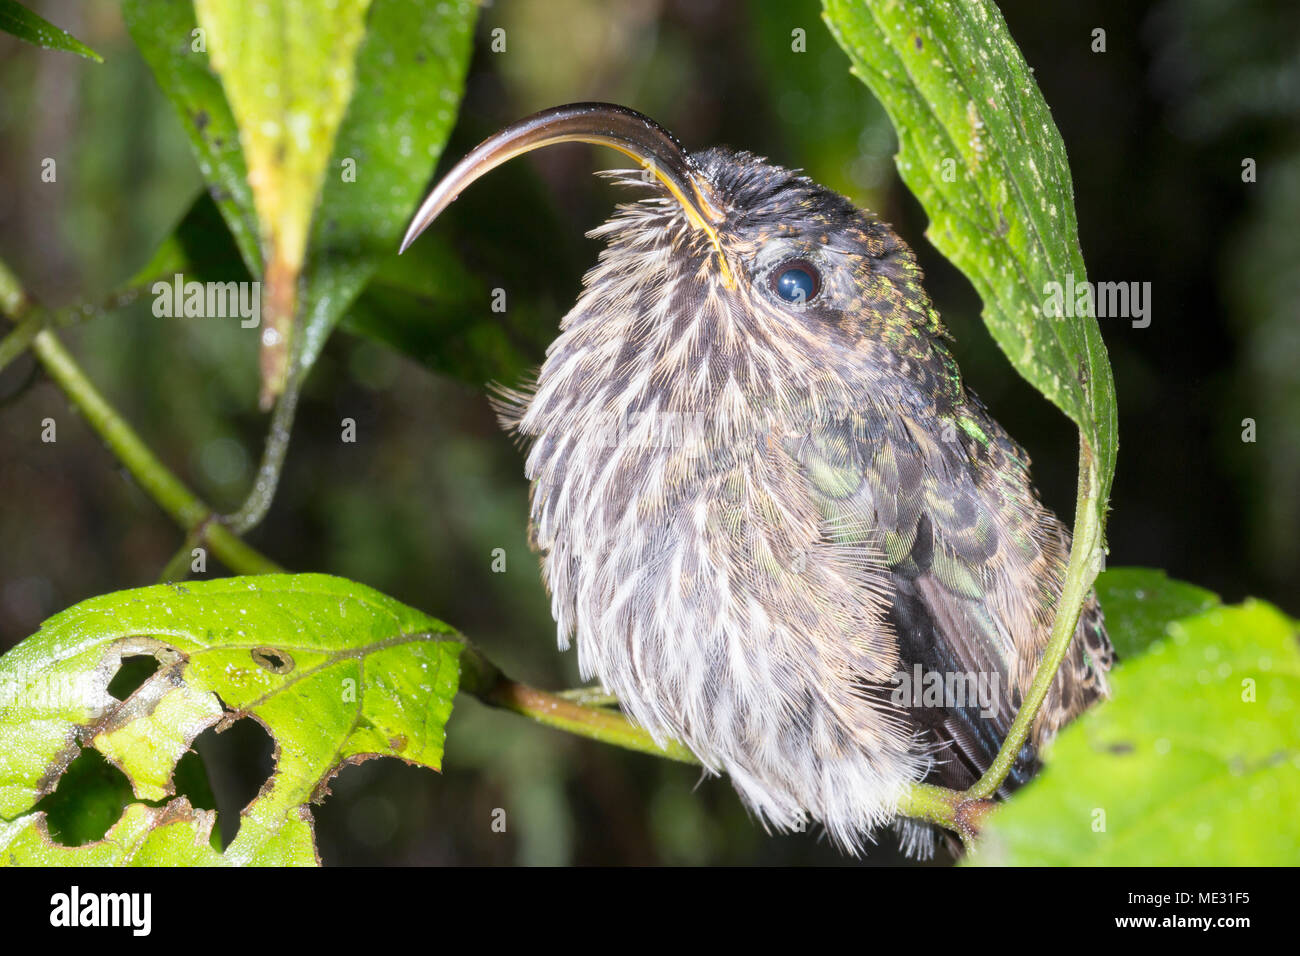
(776,523)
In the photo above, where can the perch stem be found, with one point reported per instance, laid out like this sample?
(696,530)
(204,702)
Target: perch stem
(171,494)
(1079,577)
(485,681)
(258,502)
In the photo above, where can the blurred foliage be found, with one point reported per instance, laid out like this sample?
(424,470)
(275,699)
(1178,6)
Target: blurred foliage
(1231,85)
(417,505)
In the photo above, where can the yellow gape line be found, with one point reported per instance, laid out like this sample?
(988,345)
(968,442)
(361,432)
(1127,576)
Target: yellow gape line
(695,211)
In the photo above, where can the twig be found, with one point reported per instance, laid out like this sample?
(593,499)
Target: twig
(482,679)
(193,515)
(250,514)
(955,811)
(1079,576)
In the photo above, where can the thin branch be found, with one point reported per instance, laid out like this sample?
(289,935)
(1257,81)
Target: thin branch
(13,299)
(482,679)
(15,304)
(1079,577)
(193,515)
(954,811)
(258,503)
(30,318)
(15,343)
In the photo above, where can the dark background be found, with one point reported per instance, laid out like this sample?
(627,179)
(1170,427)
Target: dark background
(1156,127)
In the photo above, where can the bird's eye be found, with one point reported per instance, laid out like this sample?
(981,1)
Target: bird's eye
(796,281)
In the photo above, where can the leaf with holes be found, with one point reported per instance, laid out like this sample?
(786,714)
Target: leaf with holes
(336,673)
(1194,761)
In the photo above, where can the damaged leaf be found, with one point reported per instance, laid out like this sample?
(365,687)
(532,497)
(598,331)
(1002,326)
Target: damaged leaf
(335,672)
(978,147)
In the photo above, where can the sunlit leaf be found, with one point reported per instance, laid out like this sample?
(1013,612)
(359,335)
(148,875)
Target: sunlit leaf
(287,67)
(168,38)
(335,672)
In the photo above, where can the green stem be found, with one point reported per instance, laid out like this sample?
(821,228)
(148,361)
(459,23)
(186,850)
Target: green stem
(959,812)
(186,508)
(13,298)
(20,337)
(482,679)
(258,502)
(1079,577)
(15,304)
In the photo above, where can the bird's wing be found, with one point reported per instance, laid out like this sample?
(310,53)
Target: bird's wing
(974,568)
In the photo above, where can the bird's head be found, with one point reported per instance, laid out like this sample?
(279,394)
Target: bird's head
(739,274)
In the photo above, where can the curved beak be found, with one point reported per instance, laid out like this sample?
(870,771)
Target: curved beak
(605,124)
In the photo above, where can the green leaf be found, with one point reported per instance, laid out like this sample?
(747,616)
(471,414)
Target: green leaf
(1141,603)
(25,25)
(1195,760)
(342,118)
(287,67)
(410,76)
(335,671)
(963,100)
(167,36)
